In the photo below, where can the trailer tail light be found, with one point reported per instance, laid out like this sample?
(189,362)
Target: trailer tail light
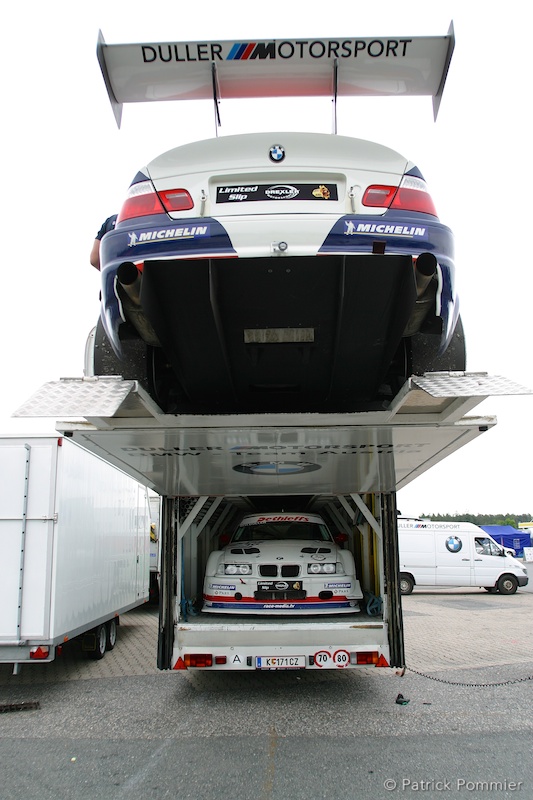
(40,652)
(221,660)
(368,658)
(198,660)
(411,195)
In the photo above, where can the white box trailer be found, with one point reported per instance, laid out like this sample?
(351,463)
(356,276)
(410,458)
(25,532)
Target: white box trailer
(455,554)
(74,548)
(212,470)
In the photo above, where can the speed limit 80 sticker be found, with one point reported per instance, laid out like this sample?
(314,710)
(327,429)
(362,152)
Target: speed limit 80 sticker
(339,659)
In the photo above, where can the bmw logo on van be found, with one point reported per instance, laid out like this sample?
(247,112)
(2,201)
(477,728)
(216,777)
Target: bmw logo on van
(453,544)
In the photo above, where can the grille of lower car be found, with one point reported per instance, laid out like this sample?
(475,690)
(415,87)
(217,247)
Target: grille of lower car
(273,570)
(290,570)
(268,570)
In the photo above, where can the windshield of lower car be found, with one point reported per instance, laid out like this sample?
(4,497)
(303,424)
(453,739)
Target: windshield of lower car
(285,531)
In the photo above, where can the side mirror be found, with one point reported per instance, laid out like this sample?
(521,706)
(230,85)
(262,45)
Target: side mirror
(224,539)
(340,538)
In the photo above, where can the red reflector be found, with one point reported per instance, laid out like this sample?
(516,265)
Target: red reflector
(198,660)
(382,661)
(39,652)
(176,200)
(379,196)
(180,664)
(368,658)
(220,659)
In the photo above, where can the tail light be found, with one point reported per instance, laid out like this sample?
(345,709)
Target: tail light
(143,201)
(410,195)
(39,652)
(198,660)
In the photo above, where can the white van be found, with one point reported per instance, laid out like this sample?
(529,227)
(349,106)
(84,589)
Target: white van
(455,554)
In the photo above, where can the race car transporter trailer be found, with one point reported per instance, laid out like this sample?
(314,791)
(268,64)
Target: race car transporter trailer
(211,470)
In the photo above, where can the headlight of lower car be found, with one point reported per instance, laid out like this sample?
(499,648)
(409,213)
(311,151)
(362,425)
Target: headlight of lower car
(321,569)
(235,569)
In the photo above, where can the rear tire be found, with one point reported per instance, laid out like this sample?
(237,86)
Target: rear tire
(132,367)
(425,348)
(111,634)
(406,583)
(100,632)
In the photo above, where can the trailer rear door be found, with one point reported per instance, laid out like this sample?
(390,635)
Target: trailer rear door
(27,498)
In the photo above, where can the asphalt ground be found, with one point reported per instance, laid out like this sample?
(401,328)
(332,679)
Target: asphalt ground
(119,728)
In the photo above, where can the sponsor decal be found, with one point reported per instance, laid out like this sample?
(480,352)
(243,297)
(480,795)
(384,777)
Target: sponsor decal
(264,191)
(276,153)
(338,585)
(260,450)
(276,468)
(354,228)
(297,50)
(168,234)
(224,586)
(277,518)
(453,544)
(282,192)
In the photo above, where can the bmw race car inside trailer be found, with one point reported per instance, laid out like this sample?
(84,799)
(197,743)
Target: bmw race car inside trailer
(220,474)
(277,272)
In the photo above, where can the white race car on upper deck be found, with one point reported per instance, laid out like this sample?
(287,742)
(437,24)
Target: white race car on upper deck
(277,272)
(281,563)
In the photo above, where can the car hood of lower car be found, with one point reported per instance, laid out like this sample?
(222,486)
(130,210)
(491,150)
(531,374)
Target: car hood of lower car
(294,549)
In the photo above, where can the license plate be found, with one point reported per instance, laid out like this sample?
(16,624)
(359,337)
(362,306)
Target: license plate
(280,662)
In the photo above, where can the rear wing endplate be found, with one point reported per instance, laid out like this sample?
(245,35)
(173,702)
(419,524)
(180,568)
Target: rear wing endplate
(343,67)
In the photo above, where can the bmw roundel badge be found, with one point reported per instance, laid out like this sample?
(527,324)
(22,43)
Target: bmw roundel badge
(276,153)
(453,544)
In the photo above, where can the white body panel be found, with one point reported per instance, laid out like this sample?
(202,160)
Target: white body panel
(77,555)
(450,554)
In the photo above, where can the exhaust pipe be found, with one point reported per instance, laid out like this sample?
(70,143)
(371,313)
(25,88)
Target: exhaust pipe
(425,268)
(130,281)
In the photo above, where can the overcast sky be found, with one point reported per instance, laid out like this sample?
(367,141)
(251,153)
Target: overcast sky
(66,167)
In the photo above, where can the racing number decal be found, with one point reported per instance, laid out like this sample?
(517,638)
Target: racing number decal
(340,659)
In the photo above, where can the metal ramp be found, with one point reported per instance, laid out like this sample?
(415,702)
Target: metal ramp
(272,454)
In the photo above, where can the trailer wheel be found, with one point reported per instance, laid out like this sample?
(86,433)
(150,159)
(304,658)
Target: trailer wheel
(507,584)
(100,632)
(406,583)
(111,634)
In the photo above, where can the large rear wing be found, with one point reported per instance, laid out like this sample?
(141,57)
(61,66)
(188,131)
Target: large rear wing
(344,67)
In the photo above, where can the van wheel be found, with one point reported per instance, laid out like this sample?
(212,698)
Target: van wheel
(111,634)
(406,583)
(507,584)
(100,633)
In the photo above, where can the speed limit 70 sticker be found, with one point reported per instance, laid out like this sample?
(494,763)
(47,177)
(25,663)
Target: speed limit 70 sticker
(339,659)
